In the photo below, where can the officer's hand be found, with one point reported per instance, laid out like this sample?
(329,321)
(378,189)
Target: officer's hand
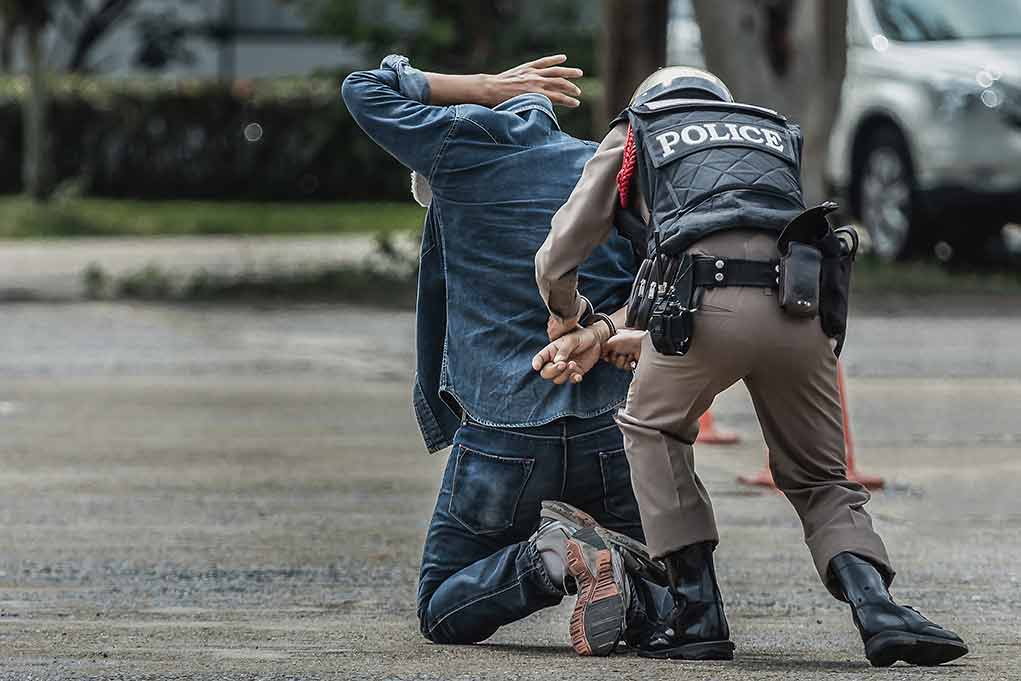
(569,357)
(542,76)
(624,349)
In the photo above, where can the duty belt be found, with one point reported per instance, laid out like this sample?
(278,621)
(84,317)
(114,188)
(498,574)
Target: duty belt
(713,272)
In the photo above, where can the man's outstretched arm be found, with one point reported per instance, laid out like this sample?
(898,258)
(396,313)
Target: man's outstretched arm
(409,112)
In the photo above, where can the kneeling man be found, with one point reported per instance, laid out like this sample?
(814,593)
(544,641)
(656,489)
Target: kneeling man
(492,165)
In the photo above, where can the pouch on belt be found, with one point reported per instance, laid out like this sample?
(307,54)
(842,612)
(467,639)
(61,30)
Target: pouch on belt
(815,270)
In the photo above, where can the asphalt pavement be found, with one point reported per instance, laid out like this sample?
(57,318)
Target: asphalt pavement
(241,493)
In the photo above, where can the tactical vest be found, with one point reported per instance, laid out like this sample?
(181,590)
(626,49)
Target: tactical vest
(706,166)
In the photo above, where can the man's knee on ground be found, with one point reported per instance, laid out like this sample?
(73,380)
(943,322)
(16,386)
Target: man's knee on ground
(447,636)
(442,633)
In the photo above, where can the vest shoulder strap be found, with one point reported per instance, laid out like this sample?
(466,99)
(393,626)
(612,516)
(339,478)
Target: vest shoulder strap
(622,117)
(658,106)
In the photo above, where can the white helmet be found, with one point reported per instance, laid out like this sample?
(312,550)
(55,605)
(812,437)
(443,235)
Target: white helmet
(685,81)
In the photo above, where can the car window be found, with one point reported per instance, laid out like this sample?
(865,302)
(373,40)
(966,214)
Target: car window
(922,20)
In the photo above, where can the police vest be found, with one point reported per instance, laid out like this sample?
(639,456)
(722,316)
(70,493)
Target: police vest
(706,166)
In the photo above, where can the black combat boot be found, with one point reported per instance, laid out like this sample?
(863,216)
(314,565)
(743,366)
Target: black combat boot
(696,628)
(890,632)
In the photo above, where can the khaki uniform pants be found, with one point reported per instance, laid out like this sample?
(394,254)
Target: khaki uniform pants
(790,370)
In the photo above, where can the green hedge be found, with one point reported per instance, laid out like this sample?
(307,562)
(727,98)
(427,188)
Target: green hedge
(157,139)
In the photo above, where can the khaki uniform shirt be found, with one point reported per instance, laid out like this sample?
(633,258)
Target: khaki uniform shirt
(579,226)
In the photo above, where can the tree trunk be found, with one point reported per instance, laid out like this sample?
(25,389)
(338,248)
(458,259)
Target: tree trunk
(633,45)
(94,28)
(34,170)
(6,46)
(792,58)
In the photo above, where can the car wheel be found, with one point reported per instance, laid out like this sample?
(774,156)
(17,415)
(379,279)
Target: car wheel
(886,195)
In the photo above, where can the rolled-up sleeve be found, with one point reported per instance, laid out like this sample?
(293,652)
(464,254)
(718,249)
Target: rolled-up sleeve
(391,105)
(580,226)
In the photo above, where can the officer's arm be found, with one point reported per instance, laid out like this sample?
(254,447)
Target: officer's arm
(579,227)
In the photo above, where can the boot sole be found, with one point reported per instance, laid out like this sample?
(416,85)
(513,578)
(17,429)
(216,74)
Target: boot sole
(560,511)
(884,649)
(710,650)
(598,617)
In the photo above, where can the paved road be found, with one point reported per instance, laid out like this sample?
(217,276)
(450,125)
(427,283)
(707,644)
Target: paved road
(222,493)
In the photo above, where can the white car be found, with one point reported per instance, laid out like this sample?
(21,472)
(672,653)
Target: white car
(927,144)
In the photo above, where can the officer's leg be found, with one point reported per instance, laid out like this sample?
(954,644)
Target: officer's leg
(660,423)
(796,397)
(794,389)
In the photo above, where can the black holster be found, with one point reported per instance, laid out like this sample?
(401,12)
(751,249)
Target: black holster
(815,270)
(835,285)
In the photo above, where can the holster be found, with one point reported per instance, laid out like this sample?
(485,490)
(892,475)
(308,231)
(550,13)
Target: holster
(838,251)
(815,270)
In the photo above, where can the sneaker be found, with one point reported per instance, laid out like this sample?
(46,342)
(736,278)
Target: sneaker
(600,613)
(634,553)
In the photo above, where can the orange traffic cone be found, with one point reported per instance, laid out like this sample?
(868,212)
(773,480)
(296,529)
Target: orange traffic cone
(765,479)
(708,434)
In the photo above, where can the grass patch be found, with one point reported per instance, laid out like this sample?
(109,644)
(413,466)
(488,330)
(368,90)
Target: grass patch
(875,278)
(85,217)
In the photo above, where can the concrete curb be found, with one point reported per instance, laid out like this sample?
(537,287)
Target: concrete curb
(54,270)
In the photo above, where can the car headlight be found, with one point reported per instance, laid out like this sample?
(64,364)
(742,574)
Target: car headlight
(1010,103)
(954,96)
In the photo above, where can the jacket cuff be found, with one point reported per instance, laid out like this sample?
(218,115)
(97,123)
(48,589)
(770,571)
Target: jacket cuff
(411,82)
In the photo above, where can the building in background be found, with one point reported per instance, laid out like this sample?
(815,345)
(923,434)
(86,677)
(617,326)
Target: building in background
(684,39)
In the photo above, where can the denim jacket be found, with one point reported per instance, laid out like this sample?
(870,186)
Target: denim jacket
(497,177)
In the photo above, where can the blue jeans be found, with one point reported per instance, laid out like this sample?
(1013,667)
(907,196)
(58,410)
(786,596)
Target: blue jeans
(479,572)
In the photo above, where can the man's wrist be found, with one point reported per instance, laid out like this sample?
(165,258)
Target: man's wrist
(604,322)
(600,331)
(485,87)
(447,90)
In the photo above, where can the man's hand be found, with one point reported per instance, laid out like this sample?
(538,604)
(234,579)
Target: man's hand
(542,76)
(569,357)
(624,349)
(556,328)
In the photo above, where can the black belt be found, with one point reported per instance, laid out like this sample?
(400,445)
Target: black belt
(713,272)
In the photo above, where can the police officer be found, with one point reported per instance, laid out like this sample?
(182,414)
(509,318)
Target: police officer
(719,181)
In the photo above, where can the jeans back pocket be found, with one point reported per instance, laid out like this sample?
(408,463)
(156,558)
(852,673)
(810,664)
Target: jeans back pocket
(486,490)
(618,496)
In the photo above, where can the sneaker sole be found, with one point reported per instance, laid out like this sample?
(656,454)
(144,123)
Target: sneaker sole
(884,649)
(710,650)
(564,512)
(598,617)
